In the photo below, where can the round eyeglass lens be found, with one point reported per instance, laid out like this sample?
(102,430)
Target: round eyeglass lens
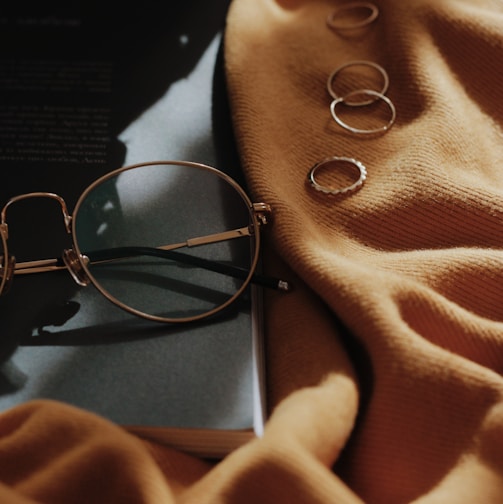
(171,241)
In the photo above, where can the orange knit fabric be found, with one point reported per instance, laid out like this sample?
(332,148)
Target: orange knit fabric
(385,364)
(412,263)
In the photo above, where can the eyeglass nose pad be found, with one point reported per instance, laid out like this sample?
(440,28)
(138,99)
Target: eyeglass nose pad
(9,274)
(74,265)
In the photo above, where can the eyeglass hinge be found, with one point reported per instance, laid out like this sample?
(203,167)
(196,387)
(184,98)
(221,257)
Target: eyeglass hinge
(263,212)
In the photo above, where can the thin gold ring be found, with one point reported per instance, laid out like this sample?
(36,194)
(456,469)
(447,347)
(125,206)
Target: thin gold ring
(359,131)
(362,175)
(371,64)
(372,16)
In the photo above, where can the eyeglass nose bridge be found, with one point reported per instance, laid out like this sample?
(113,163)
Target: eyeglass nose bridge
(67,218)
(70,258)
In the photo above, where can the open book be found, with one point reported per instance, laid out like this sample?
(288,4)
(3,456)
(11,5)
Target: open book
(86,89)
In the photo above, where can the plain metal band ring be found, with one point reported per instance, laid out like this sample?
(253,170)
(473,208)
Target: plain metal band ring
(373,13)
(360,131)
(327,190)
(371,64)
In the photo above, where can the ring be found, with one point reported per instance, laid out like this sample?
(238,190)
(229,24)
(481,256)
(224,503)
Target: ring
(378,96)
(362,175)
(371,64)
(372,9)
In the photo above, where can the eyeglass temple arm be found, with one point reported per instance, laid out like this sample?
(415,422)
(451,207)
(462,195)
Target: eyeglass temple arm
(233,271)
(166,252)
(261,211)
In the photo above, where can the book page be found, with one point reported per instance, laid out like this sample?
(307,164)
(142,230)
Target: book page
(88,90)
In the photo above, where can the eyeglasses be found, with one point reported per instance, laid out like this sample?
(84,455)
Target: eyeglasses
(169,241)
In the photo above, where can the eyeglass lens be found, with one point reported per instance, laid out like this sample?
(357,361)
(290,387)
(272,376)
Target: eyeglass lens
(128,223)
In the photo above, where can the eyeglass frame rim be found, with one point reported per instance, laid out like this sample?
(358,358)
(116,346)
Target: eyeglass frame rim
(252,211)
(5,260)
(192,164)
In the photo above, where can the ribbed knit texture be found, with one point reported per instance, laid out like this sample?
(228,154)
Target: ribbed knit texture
(411,264)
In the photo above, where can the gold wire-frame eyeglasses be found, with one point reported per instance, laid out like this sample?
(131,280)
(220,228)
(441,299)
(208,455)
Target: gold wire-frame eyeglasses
(128,229)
